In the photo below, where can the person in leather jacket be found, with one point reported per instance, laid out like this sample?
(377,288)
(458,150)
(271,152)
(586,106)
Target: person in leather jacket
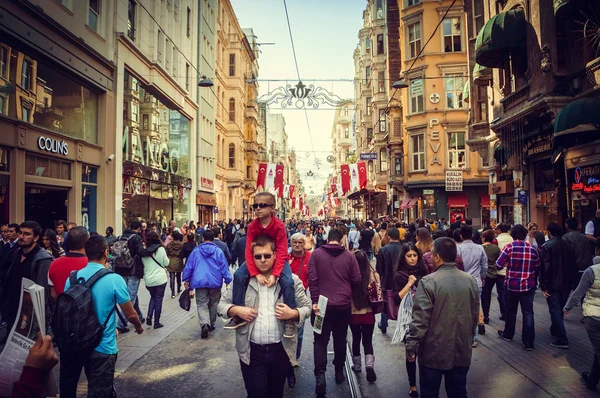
(558,275)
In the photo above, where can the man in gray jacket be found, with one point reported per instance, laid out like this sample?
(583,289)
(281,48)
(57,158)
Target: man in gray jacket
(445,314)
(260,344)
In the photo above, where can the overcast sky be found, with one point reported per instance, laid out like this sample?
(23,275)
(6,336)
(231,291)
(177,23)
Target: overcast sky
(325,36)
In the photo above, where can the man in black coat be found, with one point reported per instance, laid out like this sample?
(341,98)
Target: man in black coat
(387,258)
(557,278)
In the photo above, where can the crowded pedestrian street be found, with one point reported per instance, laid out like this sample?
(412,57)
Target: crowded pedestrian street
(176,356)
(299,198)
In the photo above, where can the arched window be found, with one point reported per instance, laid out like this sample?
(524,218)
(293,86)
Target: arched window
(232,109)
(232,156)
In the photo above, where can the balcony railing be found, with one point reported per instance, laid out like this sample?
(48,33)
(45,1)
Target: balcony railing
(515,99)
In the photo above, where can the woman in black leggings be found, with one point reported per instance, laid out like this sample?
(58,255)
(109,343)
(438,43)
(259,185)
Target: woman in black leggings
(411,268)
(362,321)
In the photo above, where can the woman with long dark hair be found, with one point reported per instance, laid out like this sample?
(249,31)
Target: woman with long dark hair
(155,277)
(321,238)
(49,242)
(409,271)
(362,320)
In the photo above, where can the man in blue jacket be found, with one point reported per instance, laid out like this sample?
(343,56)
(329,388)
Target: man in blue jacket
(204,271)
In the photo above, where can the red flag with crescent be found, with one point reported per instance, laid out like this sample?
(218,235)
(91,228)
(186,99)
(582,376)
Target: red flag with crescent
(362,175)
(345,179)
(279,180)
(262,176)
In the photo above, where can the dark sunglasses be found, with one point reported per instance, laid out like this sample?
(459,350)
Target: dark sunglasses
(260,256)
(261,205)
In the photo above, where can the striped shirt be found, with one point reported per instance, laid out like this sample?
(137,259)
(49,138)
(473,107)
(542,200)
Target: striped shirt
(266,326)
(522,263)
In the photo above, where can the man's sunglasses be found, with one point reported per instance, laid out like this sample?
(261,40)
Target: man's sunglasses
(261,205)
(261,256)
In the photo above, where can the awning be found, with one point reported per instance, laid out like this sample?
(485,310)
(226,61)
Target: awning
(501,33)
(458,200)
(577,124)
(558,4)
(412,203)
(481,75)
(404,203)
(484,201)
(466,92)
(365,192)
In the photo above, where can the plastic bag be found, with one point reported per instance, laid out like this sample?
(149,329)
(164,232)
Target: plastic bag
(185,301)
(404,319)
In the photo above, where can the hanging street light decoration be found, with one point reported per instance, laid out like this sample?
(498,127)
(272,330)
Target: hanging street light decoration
(301,96)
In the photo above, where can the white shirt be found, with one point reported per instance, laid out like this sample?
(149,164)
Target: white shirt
(327,228)
(266,326)
(589,228)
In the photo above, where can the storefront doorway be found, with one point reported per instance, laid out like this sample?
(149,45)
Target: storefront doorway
(45,205)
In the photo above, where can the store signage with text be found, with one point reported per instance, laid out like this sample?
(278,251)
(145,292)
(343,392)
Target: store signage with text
(148,153)
(368,156)
(454,180)
(586,179)
(501,188)
(205,199)
(434,141)
(52,145)
(207,183)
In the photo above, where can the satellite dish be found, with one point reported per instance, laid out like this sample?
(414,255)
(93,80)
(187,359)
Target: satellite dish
(330,158)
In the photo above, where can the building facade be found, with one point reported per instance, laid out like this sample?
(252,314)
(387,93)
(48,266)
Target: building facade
(206,154)
(540,75)
(237,115)
(343,149)
(435,117)
(371,99)
(57,106)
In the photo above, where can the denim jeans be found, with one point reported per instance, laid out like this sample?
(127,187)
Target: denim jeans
(335,323)
(241,278)
(593,329)
(383,322)
(455,381)
(478,306)
(300,334)
(99,371)
(157,294)
(133,285)
(556,303)
(266,374)
(513,299)
(486,294)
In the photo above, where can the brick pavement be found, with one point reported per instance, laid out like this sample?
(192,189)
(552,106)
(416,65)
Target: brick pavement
(133,346)
(553,370)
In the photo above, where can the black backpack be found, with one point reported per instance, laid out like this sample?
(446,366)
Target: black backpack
(75,323)
(121,254)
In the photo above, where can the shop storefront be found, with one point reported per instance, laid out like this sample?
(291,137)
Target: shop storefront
(50,144)
(583,190)
(206,204)
(458,205)
(156,172)
(504,191)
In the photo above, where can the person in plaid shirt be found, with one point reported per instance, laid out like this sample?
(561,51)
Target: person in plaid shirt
(522,263)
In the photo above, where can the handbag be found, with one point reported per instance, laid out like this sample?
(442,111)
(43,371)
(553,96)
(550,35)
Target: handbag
(185,301)
(376,297)
(392,308)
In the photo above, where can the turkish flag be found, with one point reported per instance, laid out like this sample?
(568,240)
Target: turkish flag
(333,188)
(278,183)
(270,178)
(345,179)
(301,203)
(262,175)
(354,177)
(293,203)
(292,189)
(362,175)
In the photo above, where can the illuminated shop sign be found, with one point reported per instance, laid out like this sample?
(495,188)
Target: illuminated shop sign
(52,145)
(586,179)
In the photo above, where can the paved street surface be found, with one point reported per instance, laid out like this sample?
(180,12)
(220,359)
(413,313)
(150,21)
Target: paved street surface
(175,361)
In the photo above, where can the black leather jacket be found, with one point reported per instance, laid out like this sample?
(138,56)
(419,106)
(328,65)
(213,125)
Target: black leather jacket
(387,259)
(559,266)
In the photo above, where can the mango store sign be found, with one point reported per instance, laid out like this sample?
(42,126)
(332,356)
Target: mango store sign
(150,154)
